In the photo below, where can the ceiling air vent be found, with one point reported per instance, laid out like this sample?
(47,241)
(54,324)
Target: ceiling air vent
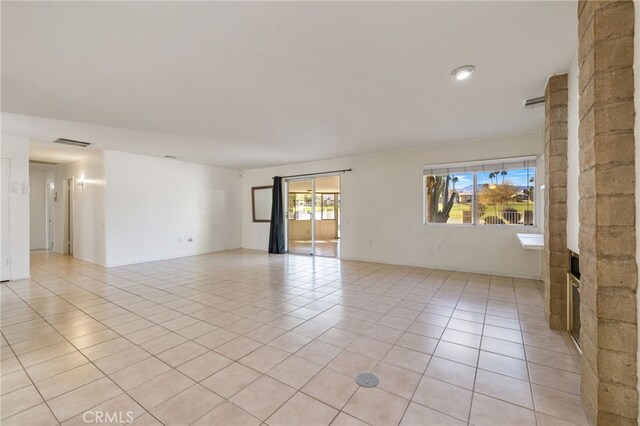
(42,163)
(72,142)
(533,102)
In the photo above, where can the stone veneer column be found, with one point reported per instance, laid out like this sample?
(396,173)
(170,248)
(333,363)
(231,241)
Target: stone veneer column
(555,201)
(607,212)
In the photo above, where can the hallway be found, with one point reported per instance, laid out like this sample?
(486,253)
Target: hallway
(241,337)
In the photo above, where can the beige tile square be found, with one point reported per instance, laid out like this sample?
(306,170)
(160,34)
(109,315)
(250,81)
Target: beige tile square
(162,343)
(501,364)
(146,334)
(353,325)
(19,400)
(181,353)
(159,389)
(339,337)
(502,347)
(122,407)
(461,338)
(407,359)
(238,347)
(344,419)
(139,373)
(290,342)
(370,347)
(505,388)
(508,334)
(215,338)
(204,365)
(397,380)
(69,380)
(319,352)
(418,415)
(112,363)
(187,407)
(444,397)
(562,405)
(77,401)
(107,348)
(227,414)
(457,353)
(486,411)
(39,415)
(264,359)
(265,333)
(383,333)
(302,409)
(45,354)
(417,343)
(14,381)
(552,359)
(331,387)
(93,338)
(451,372)
(55,366)
(295,371)
(376,406)
(263,397)
(553,378)
(196,330)
(352,364)
(230,380)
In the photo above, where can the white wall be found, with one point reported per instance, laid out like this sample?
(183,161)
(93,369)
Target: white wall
(37,209)
(16,149)
(395,226)
(573,169)
(88,207)
(154,205)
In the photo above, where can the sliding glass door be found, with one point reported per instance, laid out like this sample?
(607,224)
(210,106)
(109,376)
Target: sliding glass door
(313,216)
(301,216)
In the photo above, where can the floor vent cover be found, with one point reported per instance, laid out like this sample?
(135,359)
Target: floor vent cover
(367,380)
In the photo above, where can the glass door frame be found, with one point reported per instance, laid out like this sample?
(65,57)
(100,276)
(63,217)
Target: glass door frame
(312,217)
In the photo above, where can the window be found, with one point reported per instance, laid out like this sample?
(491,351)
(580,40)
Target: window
(300,206)
(498,192)
(329,206)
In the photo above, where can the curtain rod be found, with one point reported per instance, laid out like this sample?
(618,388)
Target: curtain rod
(319,173)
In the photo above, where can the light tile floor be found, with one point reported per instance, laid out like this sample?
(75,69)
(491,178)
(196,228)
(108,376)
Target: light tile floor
(245,338)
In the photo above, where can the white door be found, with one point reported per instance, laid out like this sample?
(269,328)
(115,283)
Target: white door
(5,249)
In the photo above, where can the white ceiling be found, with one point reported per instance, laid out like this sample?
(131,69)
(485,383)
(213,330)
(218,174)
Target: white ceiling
(251,84)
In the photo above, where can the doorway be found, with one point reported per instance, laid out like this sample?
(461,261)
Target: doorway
(313,216)
(68,217)
(5,210)
(51,195)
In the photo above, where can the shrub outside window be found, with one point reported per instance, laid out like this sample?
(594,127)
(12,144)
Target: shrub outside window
(496,192)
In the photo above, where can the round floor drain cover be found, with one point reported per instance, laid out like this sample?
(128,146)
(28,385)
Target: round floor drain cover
(367,380)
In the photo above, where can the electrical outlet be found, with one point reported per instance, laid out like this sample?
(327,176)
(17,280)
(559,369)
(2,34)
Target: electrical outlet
(189,240)
(438,247)
(370,243)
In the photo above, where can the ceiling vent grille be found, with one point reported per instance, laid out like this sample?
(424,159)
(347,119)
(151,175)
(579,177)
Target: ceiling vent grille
(72,142)
(42,163)
(533,102)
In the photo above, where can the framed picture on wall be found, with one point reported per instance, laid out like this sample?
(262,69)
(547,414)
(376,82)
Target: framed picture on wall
(261,203)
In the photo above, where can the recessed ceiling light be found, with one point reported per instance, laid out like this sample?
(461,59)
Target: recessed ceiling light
(463,72)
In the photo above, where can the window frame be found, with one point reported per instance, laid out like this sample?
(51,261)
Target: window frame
(474,208)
